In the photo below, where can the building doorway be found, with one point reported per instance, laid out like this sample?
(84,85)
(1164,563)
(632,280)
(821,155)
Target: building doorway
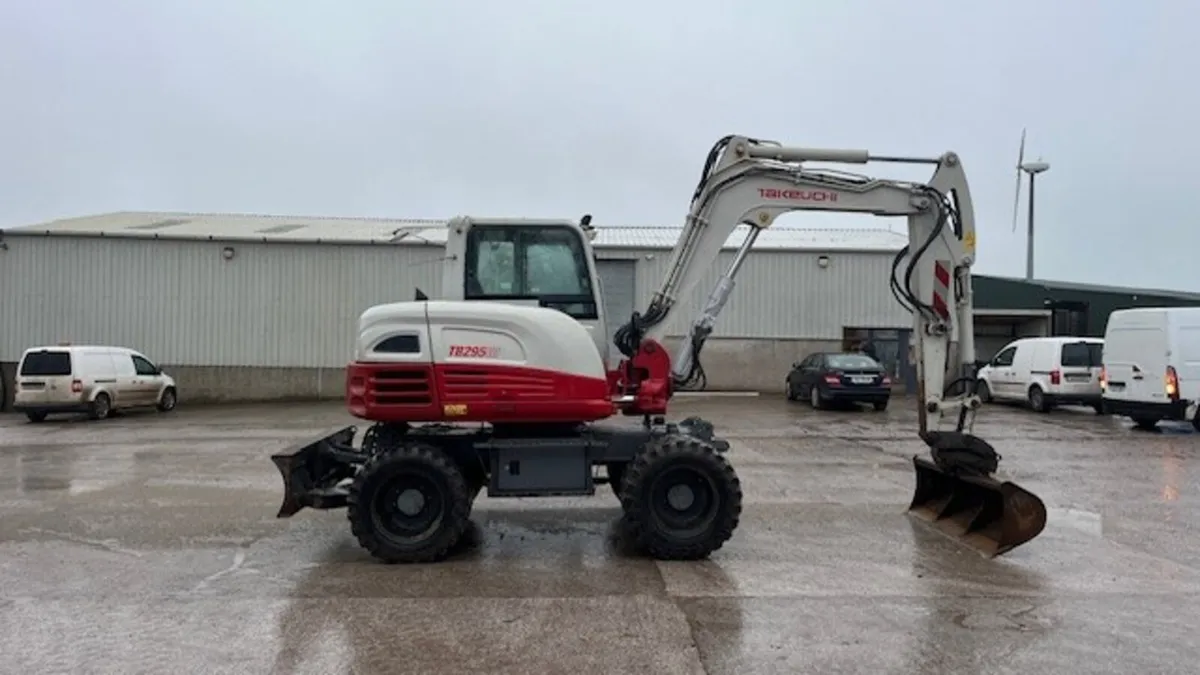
(891,350)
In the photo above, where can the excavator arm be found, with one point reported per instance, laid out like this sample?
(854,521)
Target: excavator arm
(752,182)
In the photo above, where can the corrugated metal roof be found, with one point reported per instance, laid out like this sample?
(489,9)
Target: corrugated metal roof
(235,226)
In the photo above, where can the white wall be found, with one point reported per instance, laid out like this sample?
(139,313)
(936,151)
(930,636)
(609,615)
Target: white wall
(286,305)
(786,294)
(182,303)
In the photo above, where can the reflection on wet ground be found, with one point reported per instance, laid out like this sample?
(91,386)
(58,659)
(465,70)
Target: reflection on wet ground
(148,543)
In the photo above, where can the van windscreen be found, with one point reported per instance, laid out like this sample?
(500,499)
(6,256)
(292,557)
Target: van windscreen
(1082,355)
(46,364)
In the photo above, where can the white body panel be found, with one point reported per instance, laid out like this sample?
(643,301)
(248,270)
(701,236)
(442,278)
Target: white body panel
(1028,362)
(481,333)
(1139,346)
(99,369)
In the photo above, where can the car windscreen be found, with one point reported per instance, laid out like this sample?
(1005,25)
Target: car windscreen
(852,362)
(46,364)
(1082,355)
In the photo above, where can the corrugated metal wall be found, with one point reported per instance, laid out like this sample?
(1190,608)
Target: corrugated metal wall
(788,295)
(297,304)
(183,304)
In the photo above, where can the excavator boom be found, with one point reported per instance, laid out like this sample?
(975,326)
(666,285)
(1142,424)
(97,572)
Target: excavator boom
(752,182)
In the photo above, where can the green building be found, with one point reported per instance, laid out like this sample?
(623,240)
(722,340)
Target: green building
(1008,308)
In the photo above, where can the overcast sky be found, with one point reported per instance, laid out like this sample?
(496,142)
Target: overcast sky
(555,108)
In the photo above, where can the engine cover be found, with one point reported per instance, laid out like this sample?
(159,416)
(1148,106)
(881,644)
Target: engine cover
(474,361)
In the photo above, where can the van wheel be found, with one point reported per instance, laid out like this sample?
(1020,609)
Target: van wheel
(984,391)
(100,408)
(166,402)
(37,416)
(1145,423)
(1037,399)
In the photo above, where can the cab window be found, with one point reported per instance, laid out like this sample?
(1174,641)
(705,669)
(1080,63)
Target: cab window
(143,367)
(547,264)
(1005,358)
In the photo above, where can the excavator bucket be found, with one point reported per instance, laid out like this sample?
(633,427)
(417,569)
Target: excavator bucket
(312,471)
(988,515)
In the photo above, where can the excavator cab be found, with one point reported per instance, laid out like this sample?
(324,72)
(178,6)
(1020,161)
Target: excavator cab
(546,263)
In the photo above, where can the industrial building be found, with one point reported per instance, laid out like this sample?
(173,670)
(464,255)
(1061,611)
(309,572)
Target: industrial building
(1009,308)
(254,307)
(251,307)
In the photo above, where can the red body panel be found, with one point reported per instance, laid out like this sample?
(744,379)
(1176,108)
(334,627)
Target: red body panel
(403,392)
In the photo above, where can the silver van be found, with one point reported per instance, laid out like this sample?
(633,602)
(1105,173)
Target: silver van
(89,379)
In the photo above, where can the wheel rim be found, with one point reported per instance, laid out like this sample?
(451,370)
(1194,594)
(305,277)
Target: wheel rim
(409,508)
(1035,397)
(814,396)
(685,500)
(169,400)
(101,406)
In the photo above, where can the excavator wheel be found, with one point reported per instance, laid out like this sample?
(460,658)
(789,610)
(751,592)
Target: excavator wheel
(682,499)
(409,503)
(616,477)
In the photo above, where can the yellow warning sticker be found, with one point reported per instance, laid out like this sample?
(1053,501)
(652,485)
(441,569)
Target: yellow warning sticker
(969,241)
(454,409)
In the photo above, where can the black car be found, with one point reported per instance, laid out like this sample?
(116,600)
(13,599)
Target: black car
(839,377)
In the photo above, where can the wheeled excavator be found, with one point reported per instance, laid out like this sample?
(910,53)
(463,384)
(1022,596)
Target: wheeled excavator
(503,382)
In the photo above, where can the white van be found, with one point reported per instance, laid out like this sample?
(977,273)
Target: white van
(1044,372)
(91,379)
(1152,364)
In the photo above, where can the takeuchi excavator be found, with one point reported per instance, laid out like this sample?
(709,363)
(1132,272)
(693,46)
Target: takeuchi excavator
(503,382)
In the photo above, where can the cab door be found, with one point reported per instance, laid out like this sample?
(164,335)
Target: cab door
(127,391)
(146,380)
(1002,377)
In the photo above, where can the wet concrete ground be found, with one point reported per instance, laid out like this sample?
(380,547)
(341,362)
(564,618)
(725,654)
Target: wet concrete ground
(148,544)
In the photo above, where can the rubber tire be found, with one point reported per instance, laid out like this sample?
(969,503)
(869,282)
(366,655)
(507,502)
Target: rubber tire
(1145,423)
(167,395)
(616,477)
(880,405)
(1037,400)
(375,475)
(1099,408)
(985,392)
(640,523)
(814,397)
(100,407)
(36,416)
(789,391)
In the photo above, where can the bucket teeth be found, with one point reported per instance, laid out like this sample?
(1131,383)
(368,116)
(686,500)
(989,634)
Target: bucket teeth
(990,516)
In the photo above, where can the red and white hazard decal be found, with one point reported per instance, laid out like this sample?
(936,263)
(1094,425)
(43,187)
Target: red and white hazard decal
(941,288)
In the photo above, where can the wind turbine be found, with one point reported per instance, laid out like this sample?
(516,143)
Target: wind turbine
(1033,169)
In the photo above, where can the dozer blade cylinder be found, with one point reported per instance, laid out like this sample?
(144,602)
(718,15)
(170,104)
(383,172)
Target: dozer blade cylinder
(990,516)
(312,469)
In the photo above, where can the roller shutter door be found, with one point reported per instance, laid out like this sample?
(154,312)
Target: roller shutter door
(617,286)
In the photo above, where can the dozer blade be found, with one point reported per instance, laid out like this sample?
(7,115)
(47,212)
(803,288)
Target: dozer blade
(311,471)
(990,516)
